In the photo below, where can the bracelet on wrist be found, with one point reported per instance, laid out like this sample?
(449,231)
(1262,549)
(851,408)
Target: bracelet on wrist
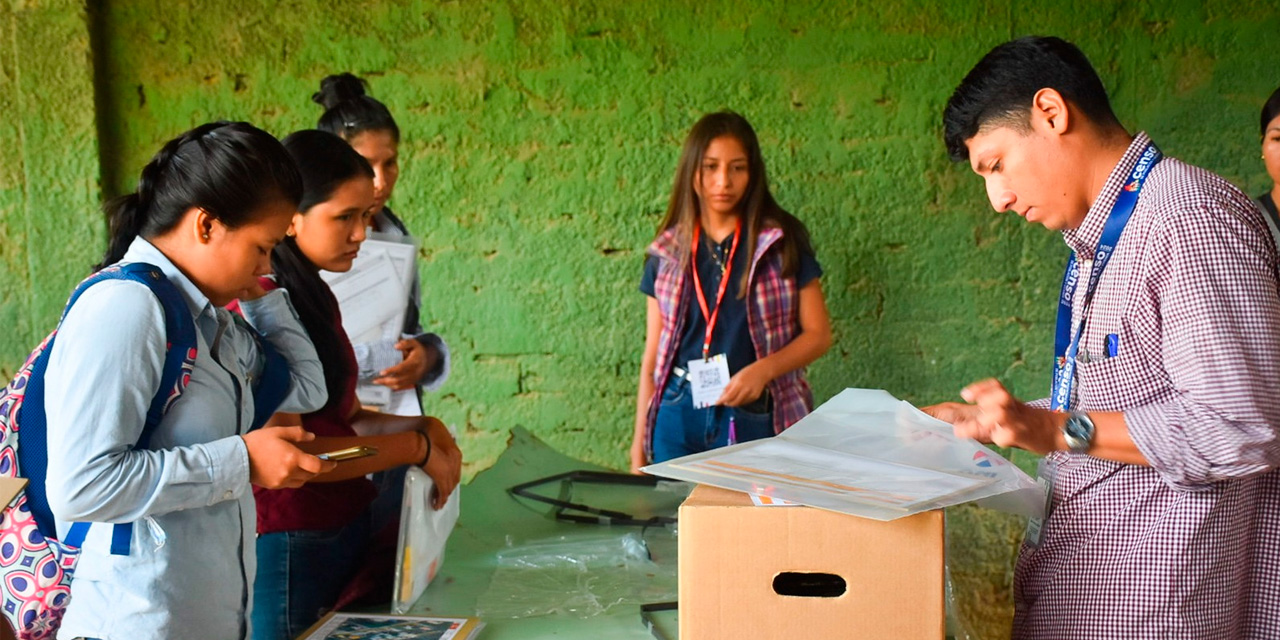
(427,456)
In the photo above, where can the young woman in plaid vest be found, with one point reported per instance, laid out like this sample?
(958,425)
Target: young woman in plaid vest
(735,306)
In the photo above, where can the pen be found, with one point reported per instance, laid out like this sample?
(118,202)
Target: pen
(733,434)
(1113,345)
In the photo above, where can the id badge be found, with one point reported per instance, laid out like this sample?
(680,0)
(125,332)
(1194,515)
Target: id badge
(1035,526)
(708,378)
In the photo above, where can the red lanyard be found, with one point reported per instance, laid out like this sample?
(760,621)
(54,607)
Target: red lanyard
(714,314)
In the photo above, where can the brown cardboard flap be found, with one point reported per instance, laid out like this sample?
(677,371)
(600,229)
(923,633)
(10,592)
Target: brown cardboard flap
(9,488)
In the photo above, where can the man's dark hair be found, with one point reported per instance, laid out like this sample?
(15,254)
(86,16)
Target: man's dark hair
(1001,86)
(1269,111)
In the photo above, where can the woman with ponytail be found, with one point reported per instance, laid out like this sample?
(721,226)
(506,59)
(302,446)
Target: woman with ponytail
(419,359)
(209,209)
(313,540)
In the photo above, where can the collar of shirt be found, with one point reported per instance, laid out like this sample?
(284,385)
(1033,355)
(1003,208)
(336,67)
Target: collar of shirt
(1084,239)
(386,221)
(143,251)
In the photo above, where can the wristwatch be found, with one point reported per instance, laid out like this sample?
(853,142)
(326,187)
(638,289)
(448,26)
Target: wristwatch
(1078,432)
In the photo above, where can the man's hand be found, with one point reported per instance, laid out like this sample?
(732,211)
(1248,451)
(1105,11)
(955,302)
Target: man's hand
(952,412)
(995,416)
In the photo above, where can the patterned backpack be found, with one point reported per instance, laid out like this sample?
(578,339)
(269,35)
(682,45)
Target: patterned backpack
(35,567)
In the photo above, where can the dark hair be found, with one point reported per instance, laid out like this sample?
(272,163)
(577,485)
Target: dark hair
(1269,111)
(348,112)
(759,209)
(999,89)
(229,169)
(325,162)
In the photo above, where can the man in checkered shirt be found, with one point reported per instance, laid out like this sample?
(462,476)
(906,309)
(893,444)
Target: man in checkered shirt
(1164,513)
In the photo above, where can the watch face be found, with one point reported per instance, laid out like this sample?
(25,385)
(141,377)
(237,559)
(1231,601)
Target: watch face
(1078,433)
(1074,443)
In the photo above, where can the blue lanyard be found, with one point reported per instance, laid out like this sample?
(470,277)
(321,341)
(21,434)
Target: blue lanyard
(1066,344)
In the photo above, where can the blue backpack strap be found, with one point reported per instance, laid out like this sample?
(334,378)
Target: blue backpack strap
(180,331)
(272,384)
(33,448)
(76,534)
(179,358)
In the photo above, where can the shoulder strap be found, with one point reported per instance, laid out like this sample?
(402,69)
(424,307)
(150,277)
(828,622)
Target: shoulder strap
(180,352)
(271,385)
(179,360)
(395,220)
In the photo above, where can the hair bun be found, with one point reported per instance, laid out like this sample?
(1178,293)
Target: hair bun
(337,89)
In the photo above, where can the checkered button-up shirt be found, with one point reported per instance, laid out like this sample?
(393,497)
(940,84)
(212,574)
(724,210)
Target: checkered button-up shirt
(1188,547)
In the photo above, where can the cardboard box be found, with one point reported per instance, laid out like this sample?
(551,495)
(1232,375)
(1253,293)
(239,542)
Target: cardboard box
(736,557)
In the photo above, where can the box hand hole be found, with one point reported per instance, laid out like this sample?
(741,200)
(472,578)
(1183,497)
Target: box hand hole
(809,585)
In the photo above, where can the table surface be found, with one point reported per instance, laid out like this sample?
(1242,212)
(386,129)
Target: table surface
(491,519)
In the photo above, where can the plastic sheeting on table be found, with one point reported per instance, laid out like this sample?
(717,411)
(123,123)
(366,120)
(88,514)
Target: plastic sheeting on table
(577,576)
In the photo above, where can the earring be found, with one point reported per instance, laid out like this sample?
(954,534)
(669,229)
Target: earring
(205,236)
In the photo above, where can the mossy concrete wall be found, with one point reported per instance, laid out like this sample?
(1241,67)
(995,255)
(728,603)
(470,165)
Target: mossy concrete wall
(49,184)
(540,139)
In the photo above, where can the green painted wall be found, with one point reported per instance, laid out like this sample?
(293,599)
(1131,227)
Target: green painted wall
(48,170)
(539,143)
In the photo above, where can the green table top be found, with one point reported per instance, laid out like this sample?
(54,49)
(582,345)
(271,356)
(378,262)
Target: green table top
(491,520)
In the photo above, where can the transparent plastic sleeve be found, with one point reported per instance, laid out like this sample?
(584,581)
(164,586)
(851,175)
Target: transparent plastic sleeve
(868,454)
(424,531)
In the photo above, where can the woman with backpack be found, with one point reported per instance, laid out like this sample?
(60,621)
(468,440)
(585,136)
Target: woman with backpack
(209,208)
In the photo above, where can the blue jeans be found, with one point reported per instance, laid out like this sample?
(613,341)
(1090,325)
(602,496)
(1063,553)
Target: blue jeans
(681,430)
(301,574)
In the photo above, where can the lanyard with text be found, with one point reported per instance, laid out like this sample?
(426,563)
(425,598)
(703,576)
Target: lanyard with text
(711,315)
(1066,344)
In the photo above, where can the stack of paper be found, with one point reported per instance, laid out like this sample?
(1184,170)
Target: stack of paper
(373,296)
(866,453)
